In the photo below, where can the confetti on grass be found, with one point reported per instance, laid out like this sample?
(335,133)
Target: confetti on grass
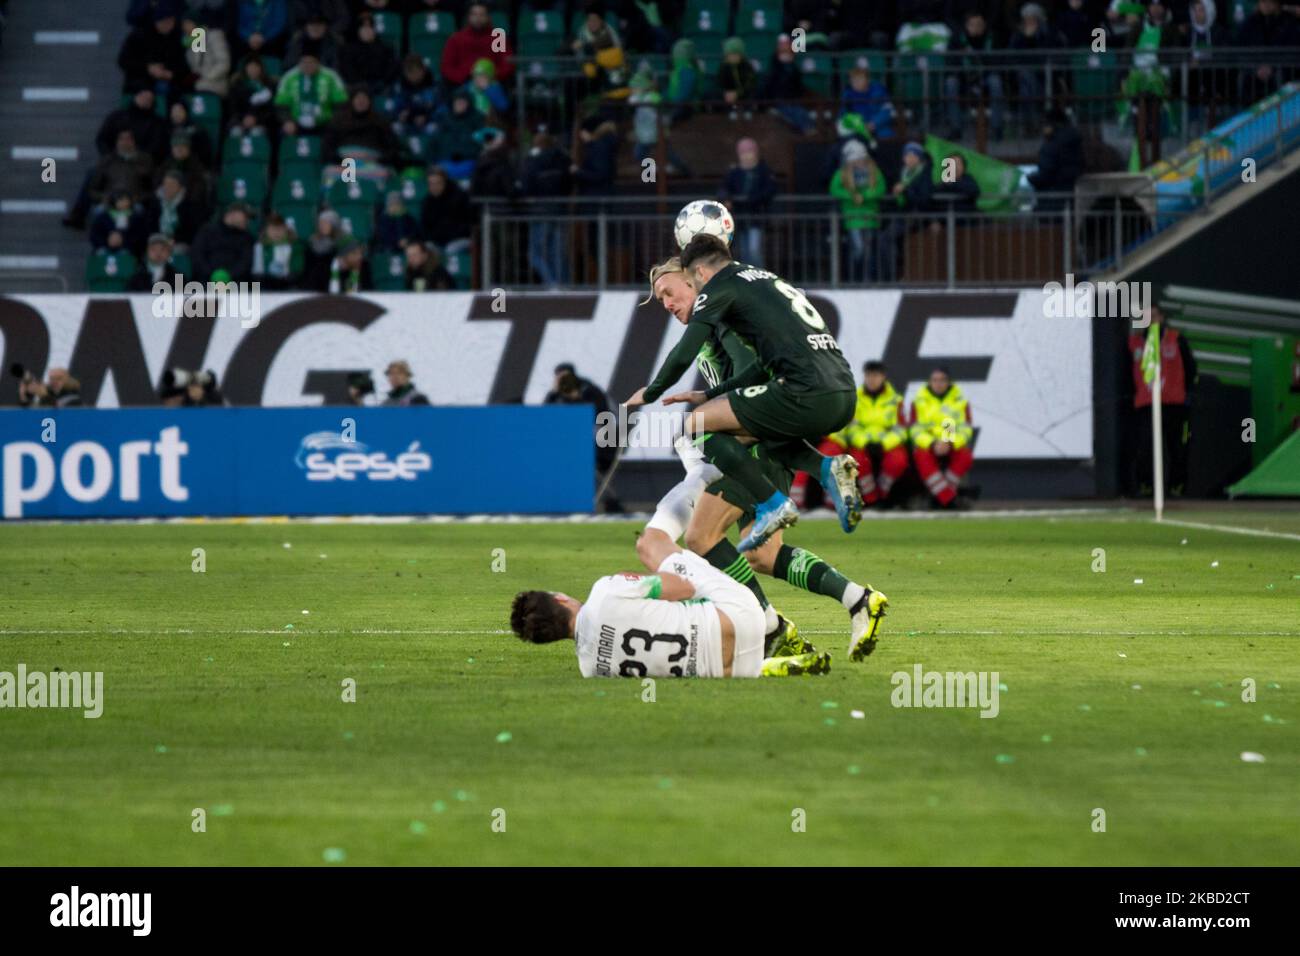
(505,737)
(333,854)
(1249,756)
(1004,758)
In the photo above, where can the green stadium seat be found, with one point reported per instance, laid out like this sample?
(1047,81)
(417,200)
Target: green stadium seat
(460,265)
(182,263)
(390,28)
(299,150)
(543,23)
(413,186)
(912,83)
(420,146)
(708,46)
(1096,85)
(760,48)
(388,270)
(818,70)
(357,220)
(254,148)
(297,184)
(301,217)
(501,18)
(109,271)
(759,16)
(243,182)
(205,110)
(429,33)
(707,16)
(363,192)
(274,66)
(873,60)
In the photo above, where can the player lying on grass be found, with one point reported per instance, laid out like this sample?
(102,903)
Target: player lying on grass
(705,503)
(687,620)
(799,390)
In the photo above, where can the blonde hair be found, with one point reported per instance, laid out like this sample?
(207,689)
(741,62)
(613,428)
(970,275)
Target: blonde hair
(657,271)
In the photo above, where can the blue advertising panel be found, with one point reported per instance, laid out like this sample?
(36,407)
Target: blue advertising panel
(91,463)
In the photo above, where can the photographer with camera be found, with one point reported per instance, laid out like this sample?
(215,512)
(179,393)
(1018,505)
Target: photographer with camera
(182,388)
(60,390)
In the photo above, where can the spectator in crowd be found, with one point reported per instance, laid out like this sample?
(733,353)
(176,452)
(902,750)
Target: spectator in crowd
(569,389)
(446,217)
(360,130)
(224,246)
(1268,26)
(1075,24)
(252,95)
(125,169)
(413,98)
(859,185)
(367,59)
(336,13)
(849,128)
(956,187)
(869,100)
(458,145)
(394,226)
(1034,35)
(119,225)
(545,175)
(736,76)
(911,196)
(60,390)
(600,49)
(473,42)
(594,172)
(309,93)
(179,122)
(154,55)
(977,79)
(1177,389)
(402,390)
(923,30)
(486,94)
(349,272)
(748,190)
(321,247)
(494,172)
(684,79)
(1060,159)
(646,24)
(424,269)
(941,436)
(1123,22)
(198,181)
(278,259)
(208,62)
(147,128)
(172,213)
(316,29)
(784,82)
(875,438)
(1202,32)
(141,12)
(156,266)
(261,27)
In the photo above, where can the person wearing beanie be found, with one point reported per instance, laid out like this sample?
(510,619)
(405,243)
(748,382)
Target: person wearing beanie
(156,266)
(367,59)
(278,255)
(909,196)
(487,95)
(784,83)
(684,79)
(349,272)
(736,76)
(318,256)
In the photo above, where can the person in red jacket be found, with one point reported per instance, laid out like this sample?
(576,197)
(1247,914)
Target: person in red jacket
(1178,383)
(475,41)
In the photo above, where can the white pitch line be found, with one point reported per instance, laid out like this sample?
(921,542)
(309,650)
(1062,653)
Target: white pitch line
(59,206)
(69,153)
(1231,529)
(55,94)
(76,37)
(456,632)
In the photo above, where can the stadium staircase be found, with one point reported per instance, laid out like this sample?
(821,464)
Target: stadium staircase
(58,80)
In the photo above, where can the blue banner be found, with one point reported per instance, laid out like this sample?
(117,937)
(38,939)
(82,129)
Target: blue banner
(94,463)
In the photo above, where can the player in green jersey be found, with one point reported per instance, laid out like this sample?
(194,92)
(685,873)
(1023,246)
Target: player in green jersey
(799,390)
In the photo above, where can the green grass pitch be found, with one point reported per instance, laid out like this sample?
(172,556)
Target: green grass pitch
(221,694)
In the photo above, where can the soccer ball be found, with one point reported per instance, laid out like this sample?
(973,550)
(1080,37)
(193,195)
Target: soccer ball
(703,216)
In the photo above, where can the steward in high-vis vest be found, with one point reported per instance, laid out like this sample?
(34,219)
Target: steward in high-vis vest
(1177,382)
(941,435)
(876,434)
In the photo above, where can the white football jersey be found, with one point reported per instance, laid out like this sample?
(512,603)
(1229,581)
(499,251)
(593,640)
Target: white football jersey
(622,631)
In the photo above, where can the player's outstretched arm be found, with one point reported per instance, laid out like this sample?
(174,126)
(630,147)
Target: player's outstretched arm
(677,362)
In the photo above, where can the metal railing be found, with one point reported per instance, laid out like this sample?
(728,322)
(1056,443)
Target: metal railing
(611,243)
